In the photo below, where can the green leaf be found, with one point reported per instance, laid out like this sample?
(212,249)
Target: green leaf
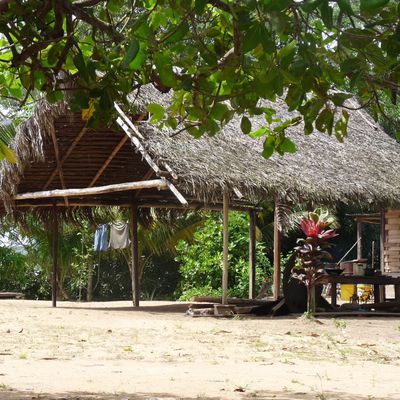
(219,110)
(200,5)
(115,5)
(252,38)
(310,5)
(156,111)
(268,147)
(324,122)
(7,153)
(339,98)
(81,66)
(54,96)
(287,146)
(140,58)
(53,54)
(275,5)
(245,125)
(341,126)
(345,6)
(259,132)
(179,34)
(327,14)
(371,5)
(397,136)
(39,79)
(132,52)
(163,65)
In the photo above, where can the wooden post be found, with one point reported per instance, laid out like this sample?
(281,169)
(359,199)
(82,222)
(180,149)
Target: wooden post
(382,241)
(54,283)
(359,240)
(135,257)
(226,243)
(382,289)
(252,254)
(277,255)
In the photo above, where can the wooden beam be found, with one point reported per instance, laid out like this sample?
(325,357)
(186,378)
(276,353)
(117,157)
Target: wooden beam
(57,155)
(382,241)
(382,289)
(65,156)
(135,257)
(252,254)
(119,187)
(277,255)
(225,250)
(146,204)
(146,176)
(54,238)
(359,240)
(131,130)
(116,149)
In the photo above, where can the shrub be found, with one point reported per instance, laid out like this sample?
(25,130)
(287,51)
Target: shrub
(201,261)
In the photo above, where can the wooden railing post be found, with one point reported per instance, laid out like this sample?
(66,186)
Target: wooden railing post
(135,257)
(252,254)
(277,254)
(54,280)
(225,245)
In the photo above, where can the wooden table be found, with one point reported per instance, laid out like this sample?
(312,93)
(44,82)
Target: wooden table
(376,281)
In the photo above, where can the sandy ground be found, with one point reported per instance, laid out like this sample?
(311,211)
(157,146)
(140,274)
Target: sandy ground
(111,351)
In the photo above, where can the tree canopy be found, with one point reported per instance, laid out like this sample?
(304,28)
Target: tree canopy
(218,57)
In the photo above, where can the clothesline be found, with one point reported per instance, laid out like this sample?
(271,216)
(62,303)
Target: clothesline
(119,236)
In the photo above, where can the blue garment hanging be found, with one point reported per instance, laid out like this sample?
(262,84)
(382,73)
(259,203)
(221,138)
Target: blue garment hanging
(101,238)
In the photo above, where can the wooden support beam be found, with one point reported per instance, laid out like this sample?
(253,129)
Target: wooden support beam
(58,161)
(135,257)
(252,254)
(65,156)
(359,241)
(119,187)
(146,176)
(131,130)
(225,250)
(382,241)
(141,204)
(116,149)
(277,255)
(54,280)
(382,289)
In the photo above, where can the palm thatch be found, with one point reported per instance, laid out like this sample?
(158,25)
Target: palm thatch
(362,170)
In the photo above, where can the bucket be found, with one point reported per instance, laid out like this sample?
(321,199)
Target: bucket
(359,269)
(347,267)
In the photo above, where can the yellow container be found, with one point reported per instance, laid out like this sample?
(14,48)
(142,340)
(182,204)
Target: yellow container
(347,292)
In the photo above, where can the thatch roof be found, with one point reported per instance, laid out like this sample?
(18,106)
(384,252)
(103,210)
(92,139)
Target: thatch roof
(362,170)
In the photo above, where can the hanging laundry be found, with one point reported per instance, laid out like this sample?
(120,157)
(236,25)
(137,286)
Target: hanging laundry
(119,235)
(101,238)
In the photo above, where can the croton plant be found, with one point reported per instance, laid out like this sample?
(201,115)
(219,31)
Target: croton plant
(311,252)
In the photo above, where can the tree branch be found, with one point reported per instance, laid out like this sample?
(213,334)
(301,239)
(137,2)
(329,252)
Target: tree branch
(81,14)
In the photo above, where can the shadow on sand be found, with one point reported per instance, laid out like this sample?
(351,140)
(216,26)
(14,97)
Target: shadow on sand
(176,308)
(262,395)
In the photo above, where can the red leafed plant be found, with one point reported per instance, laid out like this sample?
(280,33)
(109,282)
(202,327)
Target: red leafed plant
(312,251)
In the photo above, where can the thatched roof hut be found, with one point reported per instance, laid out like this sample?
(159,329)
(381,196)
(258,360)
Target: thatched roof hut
(362,170)
(63,165)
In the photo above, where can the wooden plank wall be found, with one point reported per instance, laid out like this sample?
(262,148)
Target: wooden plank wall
(392,242)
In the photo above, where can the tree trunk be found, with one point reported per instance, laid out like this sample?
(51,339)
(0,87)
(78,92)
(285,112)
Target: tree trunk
(89,295)
(311,300)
